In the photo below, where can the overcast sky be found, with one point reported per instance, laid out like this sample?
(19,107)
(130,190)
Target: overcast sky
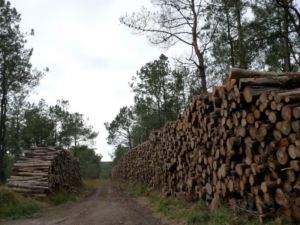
(90,55)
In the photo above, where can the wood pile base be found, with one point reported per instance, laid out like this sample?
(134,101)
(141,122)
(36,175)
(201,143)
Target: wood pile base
(240,143)
(45,170)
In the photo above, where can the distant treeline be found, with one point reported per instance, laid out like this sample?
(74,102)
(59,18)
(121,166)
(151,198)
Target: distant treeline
(105,169)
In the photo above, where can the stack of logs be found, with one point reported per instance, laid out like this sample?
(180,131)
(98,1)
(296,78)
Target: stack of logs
(240,143)
(45,170)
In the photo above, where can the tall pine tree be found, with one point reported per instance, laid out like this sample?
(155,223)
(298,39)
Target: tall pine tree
(15,68)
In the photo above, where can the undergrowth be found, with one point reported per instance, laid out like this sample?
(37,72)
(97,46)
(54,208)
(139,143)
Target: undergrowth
(15,206)
(196,213)
(59,198)
(93,183)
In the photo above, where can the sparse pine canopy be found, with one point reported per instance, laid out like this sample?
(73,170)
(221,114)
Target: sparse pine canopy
(221,34)
(174,22)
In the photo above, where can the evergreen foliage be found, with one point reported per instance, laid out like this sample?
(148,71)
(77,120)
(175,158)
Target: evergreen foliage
(160,95)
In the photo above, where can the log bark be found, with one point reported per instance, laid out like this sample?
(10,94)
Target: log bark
(239,142)
(44,170)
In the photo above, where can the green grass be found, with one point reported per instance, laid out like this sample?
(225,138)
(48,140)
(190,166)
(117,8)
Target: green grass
(15,206)
(170,207)
(221,216)
(196,213)
(61,198)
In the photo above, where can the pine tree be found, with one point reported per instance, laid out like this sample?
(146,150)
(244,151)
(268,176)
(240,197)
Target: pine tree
(15,68)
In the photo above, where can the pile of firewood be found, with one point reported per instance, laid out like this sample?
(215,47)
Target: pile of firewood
(45,170)
(239,143)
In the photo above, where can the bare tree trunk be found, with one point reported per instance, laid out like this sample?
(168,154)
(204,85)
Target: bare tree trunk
(55,134)
(201,71)
(199,54)
(287,52)
(232,60)
(129,139)
(75,141)
(3,111)
(164,99)
(18,137)
(285,16)
(242,51)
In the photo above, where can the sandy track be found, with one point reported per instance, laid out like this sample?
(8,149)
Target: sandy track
(105,206)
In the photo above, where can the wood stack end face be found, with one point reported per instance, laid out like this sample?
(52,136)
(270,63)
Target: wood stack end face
(45,170)
(240,143)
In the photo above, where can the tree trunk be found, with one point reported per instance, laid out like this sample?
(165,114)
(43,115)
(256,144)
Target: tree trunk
(287,53)
(199,54)
(129,139)
(242,51)
(18,137)
(232,60)
(202,75)
(75,141)
(3,110)
(2,167)
(165,100)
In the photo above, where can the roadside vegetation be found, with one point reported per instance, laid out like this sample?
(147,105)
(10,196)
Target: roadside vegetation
(176,211)
(16,206)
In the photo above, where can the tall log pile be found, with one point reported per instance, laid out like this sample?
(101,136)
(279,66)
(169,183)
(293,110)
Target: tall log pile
(240,143)
(45,170)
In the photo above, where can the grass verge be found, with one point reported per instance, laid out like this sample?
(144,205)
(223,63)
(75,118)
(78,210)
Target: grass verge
(175,211)
(15,206)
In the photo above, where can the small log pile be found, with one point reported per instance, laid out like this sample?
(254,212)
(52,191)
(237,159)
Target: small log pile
(45,170)
(239,143)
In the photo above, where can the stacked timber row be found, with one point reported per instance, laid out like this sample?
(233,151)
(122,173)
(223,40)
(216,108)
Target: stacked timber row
(240,143)
(45,170)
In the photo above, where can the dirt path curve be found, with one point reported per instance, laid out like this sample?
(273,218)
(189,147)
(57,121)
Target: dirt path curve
(105,206)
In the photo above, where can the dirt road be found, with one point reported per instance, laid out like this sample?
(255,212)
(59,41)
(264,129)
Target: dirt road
(105,206)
